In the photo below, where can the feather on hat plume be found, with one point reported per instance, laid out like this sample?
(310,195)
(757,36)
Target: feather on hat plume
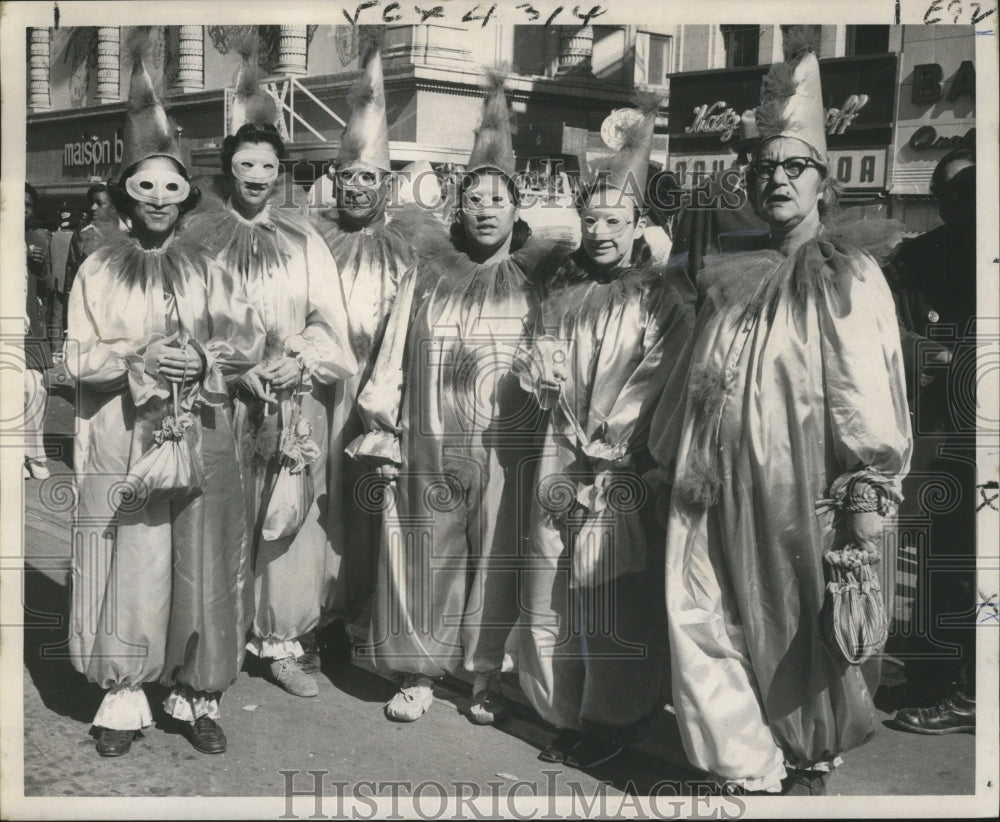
(628,169)
(252,104)
(149,132)
(791,97)
(493,147)
(366,136)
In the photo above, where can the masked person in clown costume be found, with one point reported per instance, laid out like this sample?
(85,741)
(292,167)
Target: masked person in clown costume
(787,449)
(443,407)
(375,249)
(282,404)
(153,578)
(614,324)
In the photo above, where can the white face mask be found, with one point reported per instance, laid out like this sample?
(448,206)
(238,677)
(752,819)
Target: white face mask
(255,165)
(158,187)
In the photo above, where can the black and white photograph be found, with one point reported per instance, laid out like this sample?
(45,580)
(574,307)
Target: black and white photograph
(505,410)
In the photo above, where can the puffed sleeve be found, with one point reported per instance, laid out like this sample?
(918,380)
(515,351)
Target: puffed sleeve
(237,335)
(864,375)
(323,346)
(380,402)
(667,420)
(94,359)
(668,329)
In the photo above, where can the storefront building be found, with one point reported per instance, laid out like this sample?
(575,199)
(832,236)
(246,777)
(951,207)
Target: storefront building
(935,113)
(564,81)
(890,96)
(860,91)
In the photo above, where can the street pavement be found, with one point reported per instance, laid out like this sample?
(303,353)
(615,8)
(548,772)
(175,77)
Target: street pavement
(342,733)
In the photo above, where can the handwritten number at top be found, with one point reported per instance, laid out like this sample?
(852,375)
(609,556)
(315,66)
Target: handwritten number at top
(956,8)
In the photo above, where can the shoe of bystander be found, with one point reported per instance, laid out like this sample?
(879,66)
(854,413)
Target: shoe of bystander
(953,714)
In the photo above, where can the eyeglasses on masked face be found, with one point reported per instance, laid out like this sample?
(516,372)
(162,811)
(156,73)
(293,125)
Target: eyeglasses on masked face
(793,167)
(359,178)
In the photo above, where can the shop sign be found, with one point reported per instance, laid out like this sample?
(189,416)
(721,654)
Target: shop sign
(859,168)
(937,113)
(928,88)
(718,118)
(854,168)
(93,151)
(926,138)
(859,97)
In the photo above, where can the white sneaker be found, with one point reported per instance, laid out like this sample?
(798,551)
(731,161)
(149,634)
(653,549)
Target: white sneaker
(412,700)
(287,673)
(37,468)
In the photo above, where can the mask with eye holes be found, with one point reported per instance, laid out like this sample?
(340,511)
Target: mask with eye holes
(362,193)
(253,165)
(609,228)
(158,186)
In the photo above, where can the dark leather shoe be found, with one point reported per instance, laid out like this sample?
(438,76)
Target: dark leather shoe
(114,743)
(334,644)
(205,735)
(560,746)
(954,714)
(593,751)
(804,783)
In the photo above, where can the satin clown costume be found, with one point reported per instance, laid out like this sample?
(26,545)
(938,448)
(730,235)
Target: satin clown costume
(286,272)
(374,250)
(795,383)
(155,587)
(443,405)
(591,650)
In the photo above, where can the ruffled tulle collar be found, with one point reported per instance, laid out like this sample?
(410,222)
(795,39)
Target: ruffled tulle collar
(250,247)
(396,237)
(838,250)
(134,265)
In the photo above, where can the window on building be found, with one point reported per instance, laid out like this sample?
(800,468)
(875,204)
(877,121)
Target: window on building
(658,54)
(867,40)
(794,38)
(742,45)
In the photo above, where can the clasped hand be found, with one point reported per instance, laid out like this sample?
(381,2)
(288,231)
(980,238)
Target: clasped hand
(176,364)
(282,374)
(279,375)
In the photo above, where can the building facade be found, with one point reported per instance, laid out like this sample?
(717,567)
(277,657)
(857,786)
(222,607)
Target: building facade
(897,97)
(563,82)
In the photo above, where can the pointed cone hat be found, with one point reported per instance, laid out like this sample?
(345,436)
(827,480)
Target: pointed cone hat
(493,147)
(628,168)
(148,130)
(791,99)
(251,104)
(366,136)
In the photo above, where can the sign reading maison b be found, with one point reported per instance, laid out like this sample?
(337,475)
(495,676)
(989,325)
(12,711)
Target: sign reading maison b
(93,152)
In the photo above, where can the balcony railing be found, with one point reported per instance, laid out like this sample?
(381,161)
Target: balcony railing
(283,90)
